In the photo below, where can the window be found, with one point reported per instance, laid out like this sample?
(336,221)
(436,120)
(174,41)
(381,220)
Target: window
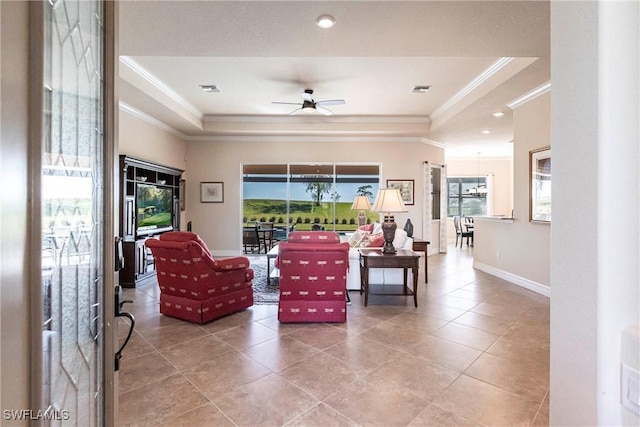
(302,194)
(467,196)
(436,173)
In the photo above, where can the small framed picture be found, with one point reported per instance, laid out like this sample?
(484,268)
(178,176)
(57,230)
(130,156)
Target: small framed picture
(406,189)
(540,185)
(211,192)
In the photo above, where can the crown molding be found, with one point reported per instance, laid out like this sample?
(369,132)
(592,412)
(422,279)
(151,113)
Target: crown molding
(309,139)
(314,119)
(150,120)
(530,96)
(473,84)
(142,72)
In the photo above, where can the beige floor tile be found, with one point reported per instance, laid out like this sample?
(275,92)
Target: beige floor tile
(225,373)
(155,320)
(319,335)
(279,353)
(144,369)
(503,311)
(270,401)
(495,325)
(476,295)
(418,322)
(465,335)
(192,353)
(512,348)
(455,302)
(526,378)
(173,334)
(363,355)
(455,356)
(205,415)
(486,404)
(377,403)
(438,417)
(156,402)
(136,346)
(320,375)
(322,416)
(424,378)
(246,336)
(442,311)
(230,321)
(375,363)
(393,335)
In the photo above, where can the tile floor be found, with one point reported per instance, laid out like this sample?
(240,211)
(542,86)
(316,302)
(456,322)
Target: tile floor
(474,353)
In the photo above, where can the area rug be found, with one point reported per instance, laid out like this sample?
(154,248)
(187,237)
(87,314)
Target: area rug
(263,293)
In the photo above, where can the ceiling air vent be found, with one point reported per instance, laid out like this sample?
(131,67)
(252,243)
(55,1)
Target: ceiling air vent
(420,89)
(210,88)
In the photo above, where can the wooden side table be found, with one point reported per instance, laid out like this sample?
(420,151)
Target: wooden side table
(403,258)
(420,245)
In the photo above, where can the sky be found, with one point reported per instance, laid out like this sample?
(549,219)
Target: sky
(278,191)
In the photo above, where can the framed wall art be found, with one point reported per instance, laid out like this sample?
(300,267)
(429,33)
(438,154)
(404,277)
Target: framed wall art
(540,185)
(211,192)
(406,189)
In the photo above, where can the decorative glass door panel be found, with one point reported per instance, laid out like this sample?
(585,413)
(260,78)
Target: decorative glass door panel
(72,213)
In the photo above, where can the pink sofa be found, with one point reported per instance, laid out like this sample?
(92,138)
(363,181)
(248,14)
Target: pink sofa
(193,285)
(313,277)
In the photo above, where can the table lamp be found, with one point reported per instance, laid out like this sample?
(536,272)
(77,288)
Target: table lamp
(389,201)
(362,204)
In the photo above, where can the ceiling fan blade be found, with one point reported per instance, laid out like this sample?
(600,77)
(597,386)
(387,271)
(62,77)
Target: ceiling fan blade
(286,103)
(328,102)
(323,110)
(296,111)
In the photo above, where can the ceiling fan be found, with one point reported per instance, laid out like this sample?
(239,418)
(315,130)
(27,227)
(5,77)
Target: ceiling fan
(308,104)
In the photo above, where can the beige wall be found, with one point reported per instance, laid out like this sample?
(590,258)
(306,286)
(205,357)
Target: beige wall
(219,223)
(520,251)
(14,258)
(141,140)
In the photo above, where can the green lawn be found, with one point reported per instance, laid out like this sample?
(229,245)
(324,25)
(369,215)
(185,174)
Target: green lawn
(303,213)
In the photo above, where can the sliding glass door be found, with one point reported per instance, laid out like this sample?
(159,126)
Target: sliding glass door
(305,196)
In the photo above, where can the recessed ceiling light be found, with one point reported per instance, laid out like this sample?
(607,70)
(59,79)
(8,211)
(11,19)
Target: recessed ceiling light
(325,21)
(210,88)
(420,89)
(486,131)
(498,114)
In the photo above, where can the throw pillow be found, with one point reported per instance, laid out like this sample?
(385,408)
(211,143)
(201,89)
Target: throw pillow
(367,227)
(376,240)
(399,238)
(356,239)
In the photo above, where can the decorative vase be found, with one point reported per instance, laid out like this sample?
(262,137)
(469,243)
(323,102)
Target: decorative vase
(408,227)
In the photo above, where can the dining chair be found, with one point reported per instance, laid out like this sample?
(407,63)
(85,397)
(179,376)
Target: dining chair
(460,233)
(251,239)
(266,232)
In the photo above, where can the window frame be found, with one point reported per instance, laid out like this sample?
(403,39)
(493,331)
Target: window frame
(462,195)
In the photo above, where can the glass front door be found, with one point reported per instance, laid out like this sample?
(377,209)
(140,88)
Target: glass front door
(72,213)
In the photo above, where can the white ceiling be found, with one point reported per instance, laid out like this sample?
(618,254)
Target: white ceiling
(263,51)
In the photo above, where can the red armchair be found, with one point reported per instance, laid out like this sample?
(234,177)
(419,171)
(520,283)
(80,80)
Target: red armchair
(193,285)
(313,277)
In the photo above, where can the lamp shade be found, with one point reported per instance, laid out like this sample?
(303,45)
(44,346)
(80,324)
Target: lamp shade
(361,203)
(389,200)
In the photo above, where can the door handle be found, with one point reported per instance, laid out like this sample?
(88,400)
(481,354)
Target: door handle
(119,302)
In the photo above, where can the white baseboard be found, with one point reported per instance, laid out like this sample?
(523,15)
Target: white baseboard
(515,279)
